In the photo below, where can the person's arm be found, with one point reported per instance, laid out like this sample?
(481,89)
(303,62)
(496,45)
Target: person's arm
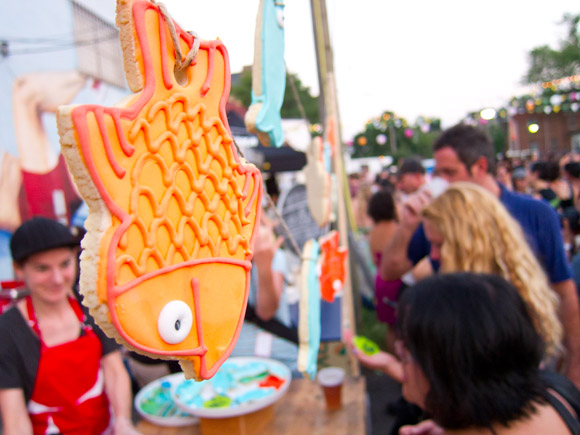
(270,282)
(118,389)
(270,287)
(394,260)
(15,419)
(570,318)
(10,181)
(383,361)
(34,94)
(426,427)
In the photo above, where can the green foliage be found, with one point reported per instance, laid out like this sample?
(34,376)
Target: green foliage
(371,328)
(290,108)
(391,135)
(242,91)
(498,131)
(548,64)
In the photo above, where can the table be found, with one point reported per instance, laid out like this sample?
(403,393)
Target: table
(300,411)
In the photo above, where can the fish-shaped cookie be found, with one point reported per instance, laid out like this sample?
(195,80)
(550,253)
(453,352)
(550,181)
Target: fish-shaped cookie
(268,75)
(166,260)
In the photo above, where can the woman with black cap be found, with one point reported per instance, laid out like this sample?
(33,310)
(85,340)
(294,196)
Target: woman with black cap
(58,373)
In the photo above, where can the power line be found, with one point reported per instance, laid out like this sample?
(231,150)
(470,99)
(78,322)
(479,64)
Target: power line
(60,46)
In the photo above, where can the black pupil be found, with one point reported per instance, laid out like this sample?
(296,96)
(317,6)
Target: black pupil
(177,325)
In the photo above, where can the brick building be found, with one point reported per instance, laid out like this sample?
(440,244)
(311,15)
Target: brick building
(547,122)
(556,132)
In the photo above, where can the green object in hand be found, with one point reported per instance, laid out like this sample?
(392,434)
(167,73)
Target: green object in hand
(365,345)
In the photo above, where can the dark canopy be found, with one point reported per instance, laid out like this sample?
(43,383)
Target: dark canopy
(267,159)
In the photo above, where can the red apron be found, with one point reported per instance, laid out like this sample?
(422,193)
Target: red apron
(68,396)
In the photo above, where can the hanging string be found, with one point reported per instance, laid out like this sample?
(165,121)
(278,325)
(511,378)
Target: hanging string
(180,62)
(283,223)
(271,204)
(297,98)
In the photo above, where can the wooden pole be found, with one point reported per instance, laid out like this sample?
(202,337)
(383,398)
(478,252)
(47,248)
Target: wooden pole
(329,113)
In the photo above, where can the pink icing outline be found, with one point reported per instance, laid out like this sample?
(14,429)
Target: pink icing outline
(119,290)
(79,116)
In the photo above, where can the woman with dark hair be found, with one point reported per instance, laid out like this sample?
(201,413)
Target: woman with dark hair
(471,356)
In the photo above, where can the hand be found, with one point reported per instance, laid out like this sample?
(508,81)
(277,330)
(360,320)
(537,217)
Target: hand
(411,209)
(123,426)
(427,427)
(64,86)
(383,361)
(266,243)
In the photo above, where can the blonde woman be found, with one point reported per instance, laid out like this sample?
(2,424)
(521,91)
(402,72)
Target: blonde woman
(471,231)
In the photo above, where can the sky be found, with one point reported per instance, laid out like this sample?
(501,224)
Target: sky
(416,58)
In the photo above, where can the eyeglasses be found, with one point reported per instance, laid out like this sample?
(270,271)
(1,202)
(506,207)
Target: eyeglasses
(402,352)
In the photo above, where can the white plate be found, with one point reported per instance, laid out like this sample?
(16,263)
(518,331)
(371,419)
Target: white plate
(164,412)
(243,397)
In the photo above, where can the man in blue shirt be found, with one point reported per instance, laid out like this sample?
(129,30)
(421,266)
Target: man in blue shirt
(464,153)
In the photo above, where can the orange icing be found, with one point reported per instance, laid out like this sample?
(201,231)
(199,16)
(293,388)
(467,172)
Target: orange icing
(333,265)
(183,205)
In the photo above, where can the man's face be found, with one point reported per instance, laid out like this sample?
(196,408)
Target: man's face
(49,275)
(415,385)
(520,185)
(449,167)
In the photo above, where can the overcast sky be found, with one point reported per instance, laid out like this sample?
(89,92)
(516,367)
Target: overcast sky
(436,59)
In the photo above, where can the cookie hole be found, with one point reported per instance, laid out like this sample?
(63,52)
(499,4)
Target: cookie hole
(181,76)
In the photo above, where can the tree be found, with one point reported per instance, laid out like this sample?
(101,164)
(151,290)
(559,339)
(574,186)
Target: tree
(547,64)
(242,91)
(392,135)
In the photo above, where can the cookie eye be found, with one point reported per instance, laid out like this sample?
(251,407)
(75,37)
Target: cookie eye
(280,17)
(174,322)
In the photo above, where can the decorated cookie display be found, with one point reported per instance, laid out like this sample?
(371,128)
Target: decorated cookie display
(317,173)
(241,385)
(166,261)
(155,403)
(333,266)
(268,75)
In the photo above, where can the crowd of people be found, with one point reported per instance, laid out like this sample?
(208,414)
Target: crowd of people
(476,267)
(515,219)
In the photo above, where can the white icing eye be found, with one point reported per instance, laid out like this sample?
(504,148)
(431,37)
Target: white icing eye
(280,17)
(174,322)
